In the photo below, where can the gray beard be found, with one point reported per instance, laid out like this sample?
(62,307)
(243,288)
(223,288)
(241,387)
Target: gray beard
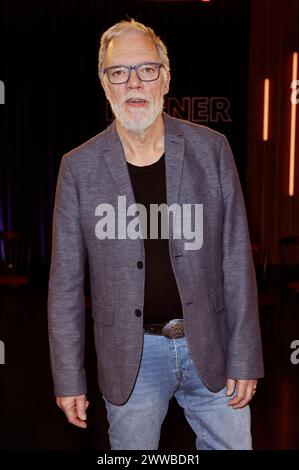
(137,126)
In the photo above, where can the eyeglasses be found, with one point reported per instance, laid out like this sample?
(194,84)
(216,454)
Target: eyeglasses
(146,72)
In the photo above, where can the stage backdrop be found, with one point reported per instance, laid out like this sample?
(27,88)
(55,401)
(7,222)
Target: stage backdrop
(52,100)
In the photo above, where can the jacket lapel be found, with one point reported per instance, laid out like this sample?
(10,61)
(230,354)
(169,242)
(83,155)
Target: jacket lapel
(174,157)
(116,161)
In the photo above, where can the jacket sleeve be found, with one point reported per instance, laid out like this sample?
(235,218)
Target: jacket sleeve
(244,349)
(66,312)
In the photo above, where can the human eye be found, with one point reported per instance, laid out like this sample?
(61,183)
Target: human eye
(118,72)
(148,69)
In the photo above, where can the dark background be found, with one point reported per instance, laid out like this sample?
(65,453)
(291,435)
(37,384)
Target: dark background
(54,100)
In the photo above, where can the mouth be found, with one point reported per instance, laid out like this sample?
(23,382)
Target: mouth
(136,102)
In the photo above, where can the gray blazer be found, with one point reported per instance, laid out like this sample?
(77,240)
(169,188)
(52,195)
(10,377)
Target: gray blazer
(216,282)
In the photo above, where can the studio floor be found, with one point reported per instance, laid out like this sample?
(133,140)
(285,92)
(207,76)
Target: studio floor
(29,418)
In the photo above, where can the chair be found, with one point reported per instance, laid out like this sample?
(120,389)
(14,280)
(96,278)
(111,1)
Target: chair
(15,255)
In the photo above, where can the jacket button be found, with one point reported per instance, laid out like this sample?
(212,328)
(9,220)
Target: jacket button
(138,312)
(139,264)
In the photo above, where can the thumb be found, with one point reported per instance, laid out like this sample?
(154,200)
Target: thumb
(80,405)
(230,387)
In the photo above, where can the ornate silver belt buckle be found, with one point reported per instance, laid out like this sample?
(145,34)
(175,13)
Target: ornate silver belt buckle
(173,329)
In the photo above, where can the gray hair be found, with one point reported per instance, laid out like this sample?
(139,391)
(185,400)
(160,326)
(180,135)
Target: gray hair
(123,27)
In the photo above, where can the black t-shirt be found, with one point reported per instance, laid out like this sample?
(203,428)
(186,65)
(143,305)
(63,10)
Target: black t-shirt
(161,297)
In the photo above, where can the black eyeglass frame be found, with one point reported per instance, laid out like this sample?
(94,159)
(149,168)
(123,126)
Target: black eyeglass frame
(133,67)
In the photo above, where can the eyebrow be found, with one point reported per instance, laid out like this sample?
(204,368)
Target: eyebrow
(133,65)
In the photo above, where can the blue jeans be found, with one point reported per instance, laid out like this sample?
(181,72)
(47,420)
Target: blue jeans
(167,370)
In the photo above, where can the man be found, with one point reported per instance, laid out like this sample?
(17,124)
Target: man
(169,319)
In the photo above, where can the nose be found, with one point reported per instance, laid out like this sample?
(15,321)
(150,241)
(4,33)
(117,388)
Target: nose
(134,81)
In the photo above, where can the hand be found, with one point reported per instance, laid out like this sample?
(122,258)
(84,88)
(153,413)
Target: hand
(74,408)
(245,392)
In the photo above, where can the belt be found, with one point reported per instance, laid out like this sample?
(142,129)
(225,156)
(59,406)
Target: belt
(173,329)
